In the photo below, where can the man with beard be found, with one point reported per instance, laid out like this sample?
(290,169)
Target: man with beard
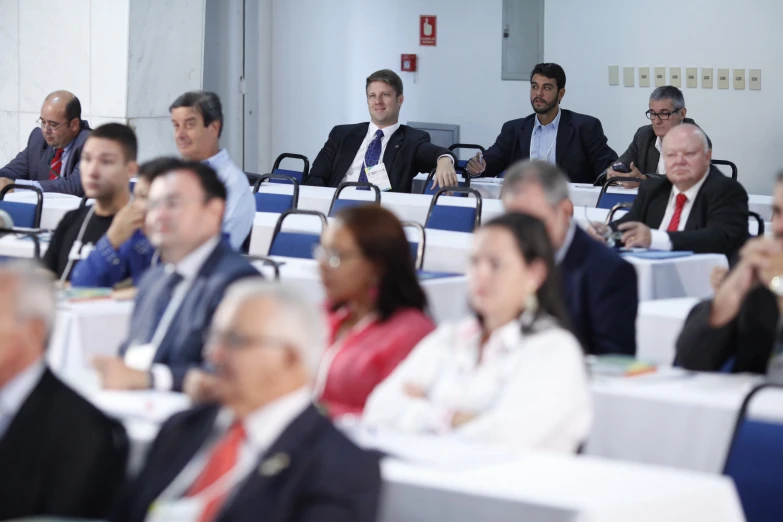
(574,142)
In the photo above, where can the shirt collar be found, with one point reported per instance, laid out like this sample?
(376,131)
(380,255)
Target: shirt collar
(16,391)
(387,131)
(569,238)
(504,338)
(659,144)
(692,192)
(218,160)
(191,264)
(265,425)
(554,123)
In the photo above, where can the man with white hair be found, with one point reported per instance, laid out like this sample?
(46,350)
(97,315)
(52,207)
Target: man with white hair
(59,455)
(695,207)
(263,451)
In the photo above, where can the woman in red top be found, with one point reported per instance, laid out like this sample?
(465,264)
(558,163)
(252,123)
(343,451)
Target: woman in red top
(375,304)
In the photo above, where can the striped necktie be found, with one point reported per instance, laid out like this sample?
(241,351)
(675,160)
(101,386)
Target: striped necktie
(57,164)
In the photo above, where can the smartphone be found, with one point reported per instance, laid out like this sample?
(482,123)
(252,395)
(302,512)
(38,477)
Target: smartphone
(620,167)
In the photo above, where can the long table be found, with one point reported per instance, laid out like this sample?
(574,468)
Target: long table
(658,324)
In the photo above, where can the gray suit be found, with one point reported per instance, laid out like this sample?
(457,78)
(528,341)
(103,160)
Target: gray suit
(33,164)
(642,151)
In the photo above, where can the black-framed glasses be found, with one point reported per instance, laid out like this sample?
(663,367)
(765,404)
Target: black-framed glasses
(333,258)
(663,115)
(50,124)
(235,341)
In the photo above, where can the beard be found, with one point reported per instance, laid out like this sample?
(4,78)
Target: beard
(546,108)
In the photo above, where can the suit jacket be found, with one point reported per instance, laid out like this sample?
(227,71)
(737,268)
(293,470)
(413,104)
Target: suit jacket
(581,148)
(60,456)
(182,345)
(718,221)
(328,479)
(749,338)
(601,293)
(407,153)
(642,151)
(33,164)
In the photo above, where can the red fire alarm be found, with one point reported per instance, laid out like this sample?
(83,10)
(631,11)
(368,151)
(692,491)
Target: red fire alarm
(408,62)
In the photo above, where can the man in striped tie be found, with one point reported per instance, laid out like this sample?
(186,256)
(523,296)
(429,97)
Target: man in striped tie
(50,161)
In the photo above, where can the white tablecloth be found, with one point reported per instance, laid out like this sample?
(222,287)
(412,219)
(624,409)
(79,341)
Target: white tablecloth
(658,324)
(13,245)
(55,205)
(677,277)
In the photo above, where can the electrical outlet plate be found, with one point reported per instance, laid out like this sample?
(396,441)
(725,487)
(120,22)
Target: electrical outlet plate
(614,75)
(691,77)
(660,76)
(723,78)
(628,76)
(644,76)
(754,77)
(675,76)
(739,79)
(706,78)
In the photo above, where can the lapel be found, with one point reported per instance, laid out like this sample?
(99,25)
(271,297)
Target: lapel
(525,135)
(564,133)
(694,217)
(395,141)
(348,150)
(659,199)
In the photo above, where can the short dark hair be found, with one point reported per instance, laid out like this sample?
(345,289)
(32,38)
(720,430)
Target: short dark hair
(149,170)
(208,178)
(382,241)
(206,103)
(73,109)
(550,70)
(386,76)
(121,134)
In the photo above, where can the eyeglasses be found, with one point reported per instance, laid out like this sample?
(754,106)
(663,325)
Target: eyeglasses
(663,116)
(234,341)
(53,125)
(331,257)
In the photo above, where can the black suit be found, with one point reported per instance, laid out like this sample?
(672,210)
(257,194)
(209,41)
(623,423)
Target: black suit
(642,151)
(718,220)
(749,338)
(407,153)
(581,148)
(60,456)
(328,479)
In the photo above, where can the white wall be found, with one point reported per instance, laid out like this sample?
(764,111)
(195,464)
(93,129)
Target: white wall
(323,51)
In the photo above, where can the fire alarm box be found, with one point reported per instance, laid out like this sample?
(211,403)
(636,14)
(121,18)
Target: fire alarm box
(408,62)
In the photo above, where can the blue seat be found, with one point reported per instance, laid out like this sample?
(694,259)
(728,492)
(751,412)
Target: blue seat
(608,200)
(132,185)
(464,182)
(452,217)
(755,460)
(26,215)
(298,175)
(295,244)
(277,203)
(339,204)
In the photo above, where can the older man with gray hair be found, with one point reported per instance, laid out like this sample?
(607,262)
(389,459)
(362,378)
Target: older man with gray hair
(600,288)
(262,451)
(59,454)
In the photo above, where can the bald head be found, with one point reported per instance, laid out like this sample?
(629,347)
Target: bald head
(687,131)
(687,155)
(60,118)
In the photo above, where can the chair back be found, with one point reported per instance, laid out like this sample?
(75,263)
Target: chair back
(452,217)
(298,175)
(418,246)
(339,204)
(278,203)
(295,244)
(753,216)
(457,146)
(26,215)
(265,261)
(620,206)
(729,164)
(464,182)
(608,200)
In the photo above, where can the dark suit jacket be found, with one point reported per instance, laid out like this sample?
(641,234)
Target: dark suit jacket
(182,345)
(581,148)
(33,164)
(749,338)
(60,456)
(718,221)
(407,153)
(601,293)
(328,478)
(642,151)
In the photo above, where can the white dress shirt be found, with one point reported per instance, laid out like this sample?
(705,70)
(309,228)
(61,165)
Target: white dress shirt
(188,268)
(661,163)
(660,238)
(14,394)
(526,390)
(355,169)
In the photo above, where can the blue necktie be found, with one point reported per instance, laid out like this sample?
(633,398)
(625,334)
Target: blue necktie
(155,313)
(372,156)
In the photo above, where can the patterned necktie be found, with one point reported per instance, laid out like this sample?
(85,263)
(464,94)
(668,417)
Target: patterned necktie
(674,224)
(372,156)
(57,164)
(156,311)
(222,460)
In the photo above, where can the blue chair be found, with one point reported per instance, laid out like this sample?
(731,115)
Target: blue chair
(417,247)
(465,182)
(295,244)
(727,163)
(456,146)
(26,215)
(755,459)
(608,200)
(339,204)
(452,217)
(298,175)
(278,203)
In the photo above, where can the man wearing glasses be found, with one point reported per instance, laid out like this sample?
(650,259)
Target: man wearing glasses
(667,110)
(51,159)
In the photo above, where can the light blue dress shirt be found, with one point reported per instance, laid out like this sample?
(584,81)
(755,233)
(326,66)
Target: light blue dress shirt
(66,155)
(240,204)
(543,142)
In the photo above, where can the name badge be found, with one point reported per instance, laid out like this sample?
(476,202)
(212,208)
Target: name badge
(377,176)
(140,356)
(180,510)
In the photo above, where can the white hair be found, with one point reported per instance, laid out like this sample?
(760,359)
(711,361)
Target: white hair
(35,296)
(309,335)
(696,131)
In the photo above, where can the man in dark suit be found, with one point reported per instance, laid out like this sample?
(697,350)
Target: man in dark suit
(601,290)
(59,455)
(177,298)
(285,461)
(666,111)
(574,142)
(51,159)
(383,151)
(695,207)
(740,324)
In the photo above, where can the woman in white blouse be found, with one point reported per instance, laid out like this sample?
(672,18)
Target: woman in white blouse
(511,375)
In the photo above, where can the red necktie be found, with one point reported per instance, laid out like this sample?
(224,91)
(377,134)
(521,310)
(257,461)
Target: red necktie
(222,461)
(674,224)
(57,164)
